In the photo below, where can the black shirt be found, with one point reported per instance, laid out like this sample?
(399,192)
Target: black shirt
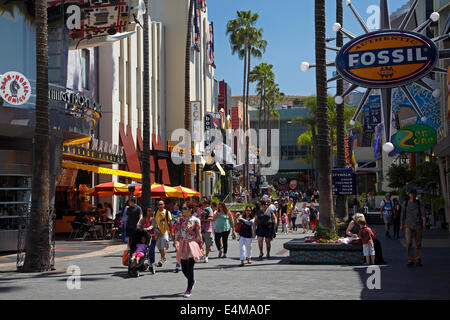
(133,214)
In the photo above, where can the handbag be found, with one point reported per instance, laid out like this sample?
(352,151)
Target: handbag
(238,228)
(125,258)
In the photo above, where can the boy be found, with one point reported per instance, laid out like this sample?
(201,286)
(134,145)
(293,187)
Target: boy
(366,235)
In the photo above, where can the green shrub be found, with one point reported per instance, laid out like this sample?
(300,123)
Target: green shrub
(323,234)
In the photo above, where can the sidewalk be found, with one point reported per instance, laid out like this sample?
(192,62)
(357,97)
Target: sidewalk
(104,277)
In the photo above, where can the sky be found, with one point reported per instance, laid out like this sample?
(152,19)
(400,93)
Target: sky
(288,27)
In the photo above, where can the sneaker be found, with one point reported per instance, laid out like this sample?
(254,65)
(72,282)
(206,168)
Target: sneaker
(152,269)
(419,263)
(242,264)
(187,294)
(268,256)
(249,261)
(410,264)
(224,256)
(261,256)
(160,263)
(220,254)
(206,259)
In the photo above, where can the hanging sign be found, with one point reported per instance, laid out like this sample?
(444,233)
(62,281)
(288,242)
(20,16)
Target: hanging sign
(344,182)
(15,88)
(415,138)
(386,59)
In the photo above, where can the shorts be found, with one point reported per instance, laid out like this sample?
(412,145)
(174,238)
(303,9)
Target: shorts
(163,242)
(137,254)
(387,218)
(207,238)
(368,250)
(264,232)
(313,223)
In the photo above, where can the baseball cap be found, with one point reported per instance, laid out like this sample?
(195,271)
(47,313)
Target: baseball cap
(388,194)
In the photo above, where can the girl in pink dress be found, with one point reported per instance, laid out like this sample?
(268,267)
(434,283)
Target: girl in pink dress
(188,242)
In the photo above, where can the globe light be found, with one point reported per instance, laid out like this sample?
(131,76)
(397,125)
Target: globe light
(339,100)
(352,122)
(388,147)
(435,17)
(423,119)
(348,2)
(304,66)
(337,27)
(437,93)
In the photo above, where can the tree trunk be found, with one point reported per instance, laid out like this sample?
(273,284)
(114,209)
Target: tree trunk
(245,167)
(38,240)
(187,94)
(146,184)
(323,146)
(247,138)
(341,203)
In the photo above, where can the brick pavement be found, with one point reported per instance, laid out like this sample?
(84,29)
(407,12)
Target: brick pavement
(103,277)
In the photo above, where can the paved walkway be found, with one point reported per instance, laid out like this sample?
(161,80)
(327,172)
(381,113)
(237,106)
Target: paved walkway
(104,277)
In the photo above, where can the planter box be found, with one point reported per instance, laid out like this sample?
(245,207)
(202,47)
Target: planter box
(324,253)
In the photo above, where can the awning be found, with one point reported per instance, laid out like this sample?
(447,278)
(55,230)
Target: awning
(100,170)
(222,172)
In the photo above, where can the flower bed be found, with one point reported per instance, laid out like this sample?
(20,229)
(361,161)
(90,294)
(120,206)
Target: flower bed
(322,251)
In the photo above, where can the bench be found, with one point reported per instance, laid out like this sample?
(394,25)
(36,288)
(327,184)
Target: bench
(323,253)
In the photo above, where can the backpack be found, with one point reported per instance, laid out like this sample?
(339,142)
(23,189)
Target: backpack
(418,203)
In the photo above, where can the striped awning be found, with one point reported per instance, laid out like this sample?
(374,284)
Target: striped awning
(101,170)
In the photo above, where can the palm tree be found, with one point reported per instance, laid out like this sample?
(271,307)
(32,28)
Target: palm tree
(341,203)
(246,40)
(38,240)
(146,184)
(326,221)
(187,92)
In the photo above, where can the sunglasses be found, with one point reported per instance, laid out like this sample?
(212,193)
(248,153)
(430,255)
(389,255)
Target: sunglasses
(185,208)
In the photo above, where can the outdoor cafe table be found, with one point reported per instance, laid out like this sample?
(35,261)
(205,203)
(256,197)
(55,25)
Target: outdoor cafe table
(104,224)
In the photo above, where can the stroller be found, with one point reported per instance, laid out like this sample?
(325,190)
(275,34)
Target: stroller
(133,271)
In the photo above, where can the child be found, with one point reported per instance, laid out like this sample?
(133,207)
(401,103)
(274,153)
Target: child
(284,221)
(366,235)
(141,248)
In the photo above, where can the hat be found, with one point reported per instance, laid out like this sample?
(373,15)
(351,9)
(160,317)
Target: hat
(388,194)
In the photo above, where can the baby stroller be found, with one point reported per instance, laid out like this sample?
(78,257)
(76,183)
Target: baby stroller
(133,271)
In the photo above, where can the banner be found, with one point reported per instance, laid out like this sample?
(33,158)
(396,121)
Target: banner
(203,5)
(196,21)
(372,113)
(196,121)
(211,45)
(350,142)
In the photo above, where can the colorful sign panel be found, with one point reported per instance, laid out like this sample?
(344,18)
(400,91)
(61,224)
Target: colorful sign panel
(386,59)
(344,182)
(415,138)
(15,88)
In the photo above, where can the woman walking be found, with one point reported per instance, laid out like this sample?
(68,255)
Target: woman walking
(148,225)
(246,235)
(224,224)
(188,242)
(263,227)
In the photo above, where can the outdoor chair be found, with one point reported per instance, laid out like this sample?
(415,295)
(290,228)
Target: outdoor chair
(76,228)
(88,229)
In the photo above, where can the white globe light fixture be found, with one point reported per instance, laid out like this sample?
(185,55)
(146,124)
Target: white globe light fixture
(304,66)
(352,122)
(339,100)
(388,147)
(337,27)
(435,16)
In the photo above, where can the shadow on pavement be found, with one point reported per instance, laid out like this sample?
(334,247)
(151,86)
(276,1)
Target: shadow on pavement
(398,281)
(164,296)
(10,289)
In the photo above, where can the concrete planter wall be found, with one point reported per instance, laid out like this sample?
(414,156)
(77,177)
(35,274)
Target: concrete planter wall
(323,253)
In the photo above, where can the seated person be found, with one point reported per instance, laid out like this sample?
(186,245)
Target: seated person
(141,248)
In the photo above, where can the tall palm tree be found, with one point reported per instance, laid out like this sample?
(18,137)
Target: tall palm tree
(341,207)
(246,40)
(38,239)
(326,221)
(187,92)
(146,184)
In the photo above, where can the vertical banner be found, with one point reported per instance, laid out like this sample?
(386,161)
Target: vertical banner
(349,156)
(196,121)
(211,45)
(203,5)
(196,23)
(372,113)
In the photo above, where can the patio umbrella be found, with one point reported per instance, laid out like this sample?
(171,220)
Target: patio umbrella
(109,189)
(188,192)
(161,191)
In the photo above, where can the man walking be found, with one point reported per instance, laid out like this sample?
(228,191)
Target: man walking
(133,219)
(414,221)
(205,218)
(164,226)
(386,212)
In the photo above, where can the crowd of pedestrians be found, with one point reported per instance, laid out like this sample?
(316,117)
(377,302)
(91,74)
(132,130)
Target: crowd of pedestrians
(195,227)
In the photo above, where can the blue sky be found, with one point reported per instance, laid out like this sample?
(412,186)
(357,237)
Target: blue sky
(289,30)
